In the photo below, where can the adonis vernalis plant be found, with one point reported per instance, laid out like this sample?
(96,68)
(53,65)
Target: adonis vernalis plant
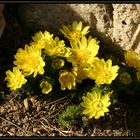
(51,61)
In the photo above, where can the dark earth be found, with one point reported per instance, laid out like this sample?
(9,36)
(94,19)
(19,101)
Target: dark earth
(39,118)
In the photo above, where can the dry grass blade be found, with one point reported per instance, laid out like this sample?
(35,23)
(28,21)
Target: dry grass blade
(72,133)
(57,100)
(46,128)
(12,96)
(36,115)
(51,127)
(10,133)
(57,111)
(56,129)
(45,121)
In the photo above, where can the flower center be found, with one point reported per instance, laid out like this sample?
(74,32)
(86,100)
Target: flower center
(76,34)
(98,105)
(81,56)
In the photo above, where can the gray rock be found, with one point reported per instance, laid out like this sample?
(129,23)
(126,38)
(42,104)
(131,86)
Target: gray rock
(126,25)
(2,20)
(47,16)
(114,24)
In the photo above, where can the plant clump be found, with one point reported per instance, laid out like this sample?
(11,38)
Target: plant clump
(50,63)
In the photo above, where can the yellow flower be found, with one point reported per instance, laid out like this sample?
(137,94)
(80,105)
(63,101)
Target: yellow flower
(81,73)
(74,31)
(132,59)
(15,79)
(57,48)
(58,63)
(67,80)
(96,104)
(46,87)
(138,75)
(103,72)
(42,39)
(29,61)
(83,52)
(125,78)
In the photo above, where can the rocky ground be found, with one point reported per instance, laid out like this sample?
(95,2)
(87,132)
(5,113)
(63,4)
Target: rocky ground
(39,118)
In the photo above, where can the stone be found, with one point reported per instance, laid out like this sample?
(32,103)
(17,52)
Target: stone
(2,20)
(116,25)
(46,16)
(126,25)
